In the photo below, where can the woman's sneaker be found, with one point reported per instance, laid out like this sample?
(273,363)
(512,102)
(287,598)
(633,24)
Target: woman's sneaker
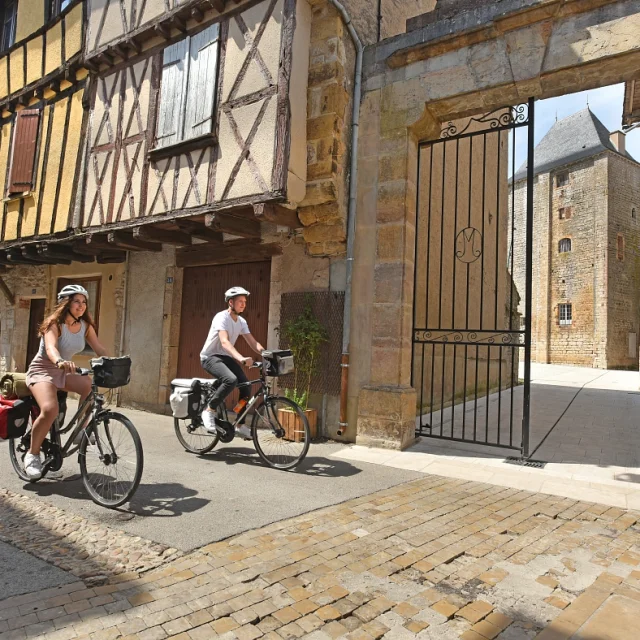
(209,420)
(33,466)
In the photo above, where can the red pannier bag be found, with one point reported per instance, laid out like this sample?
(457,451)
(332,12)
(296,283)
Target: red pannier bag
(14,418)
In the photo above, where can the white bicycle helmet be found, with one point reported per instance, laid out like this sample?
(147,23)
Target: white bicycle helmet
(71,290)
(235,291)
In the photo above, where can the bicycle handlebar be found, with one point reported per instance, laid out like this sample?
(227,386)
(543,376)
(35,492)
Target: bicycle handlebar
(82,372)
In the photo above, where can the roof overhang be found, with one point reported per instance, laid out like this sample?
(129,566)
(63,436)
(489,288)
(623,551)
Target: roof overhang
(631,105)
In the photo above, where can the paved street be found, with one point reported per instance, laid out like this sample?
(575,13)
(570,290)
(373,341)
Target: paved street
(185,501)
(434,558)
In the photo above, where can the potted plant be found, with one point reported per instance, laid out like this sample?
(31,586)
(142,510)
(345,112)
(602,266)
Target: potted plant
(304,335)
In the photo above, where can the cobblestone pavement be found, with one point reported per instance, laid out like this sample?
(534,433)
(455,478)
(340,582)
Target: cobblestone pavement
(435,558)
(70,542)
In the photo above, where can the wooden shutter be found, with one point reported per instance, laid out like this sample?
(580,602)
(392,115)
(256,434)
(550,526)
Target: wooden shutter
(25,139)
(203,62)
(172,89)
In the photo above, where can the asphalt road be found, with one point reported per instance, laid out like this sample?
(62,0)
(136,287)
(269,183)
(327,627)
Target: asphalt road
(22,573)
(187,501)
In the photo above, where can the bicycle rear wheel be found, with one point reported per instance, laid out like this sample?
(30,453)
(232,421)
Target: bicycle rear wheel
(112,468)
(193,436)
(18,448)
(281,432)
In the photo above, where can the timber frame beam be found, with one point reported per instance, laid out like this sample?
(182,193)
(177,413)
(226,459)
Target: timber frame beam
(236,226)
(7,292)
(242,251)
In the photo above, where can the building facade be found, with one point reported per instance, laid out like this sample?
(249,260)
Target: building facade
(586,279)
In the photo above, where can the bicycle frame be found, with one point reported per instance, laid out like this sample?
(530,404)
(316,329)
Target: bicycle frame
(261,392)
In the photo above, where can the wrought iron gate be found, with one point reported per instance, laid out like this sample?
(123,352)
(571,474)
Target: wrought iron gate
(472,281)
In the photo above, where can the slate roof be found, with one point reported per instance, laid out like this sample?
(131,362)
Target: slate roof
(576,137)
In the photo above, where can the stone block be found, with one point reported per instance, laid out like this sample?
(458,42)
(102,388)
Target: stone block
(326,27)
(329,213)
(391,200)
(320,192)
(393,167)
(324,233)
(390,242)
(323,126)
(325,72)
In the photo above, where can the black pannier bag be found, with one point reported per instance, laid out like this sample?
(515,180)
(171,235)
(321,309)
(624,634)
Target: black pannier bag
(186,398)
(278,362)
(111,372)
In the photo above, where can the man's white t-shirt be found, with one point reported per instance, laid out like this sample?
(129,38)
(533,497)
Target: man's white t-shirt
(223,322)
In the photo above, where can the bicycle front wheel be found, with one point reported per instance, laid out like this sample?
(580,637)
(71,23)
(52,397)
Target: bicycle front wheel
(281,432)
(112,467)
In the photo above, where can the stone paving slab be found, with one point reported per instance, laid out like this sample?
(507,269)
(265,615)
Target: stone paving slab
(435,558)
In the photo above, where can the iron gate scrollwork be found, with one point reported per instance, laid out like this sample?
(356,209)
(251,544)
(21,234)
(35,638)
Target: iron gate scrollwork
(472,282)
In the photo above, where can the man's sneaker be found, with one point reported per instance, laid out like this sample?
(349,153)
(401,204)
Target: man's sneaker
(33,466)
(244,432)
(209,420)
(80,435)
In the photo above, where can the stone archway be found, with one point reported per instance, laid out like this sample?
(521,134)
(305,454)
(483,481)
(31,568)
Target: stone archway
(444,71)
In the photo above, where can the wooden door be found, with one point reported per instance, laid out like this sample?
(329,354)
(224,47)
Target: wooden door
(203,296)
(36,316)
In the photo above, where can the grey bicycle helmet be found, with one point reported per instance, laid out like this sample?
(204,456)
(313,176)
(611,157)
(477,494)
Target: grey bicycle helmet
(71,290)
(235,291)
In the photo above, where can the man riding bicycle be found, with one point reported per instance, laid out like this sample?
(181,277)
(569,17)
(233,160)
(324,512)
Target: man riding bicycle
(223,361)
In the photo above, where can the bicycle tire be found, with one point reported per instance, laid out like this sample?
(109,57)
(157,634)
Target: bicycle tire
(105,440)
(179,424)
(17,457)
(287,460)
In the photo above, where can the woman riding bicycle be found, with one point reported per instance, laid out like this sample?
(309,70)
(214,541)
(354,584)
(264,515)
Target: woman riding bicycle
(63,335)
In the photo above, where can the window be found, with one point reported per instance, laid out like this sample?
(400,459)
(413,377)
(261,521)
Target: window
(187,88)
(93,286)
(562,179)
(564,246)
(564,213)
(56,7)
(620,247)
(23,151)
(565,314)
(8,10)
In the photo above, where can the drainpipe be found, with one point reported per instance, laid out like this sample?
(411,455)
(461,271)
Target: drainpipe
(351,212)
(124,317)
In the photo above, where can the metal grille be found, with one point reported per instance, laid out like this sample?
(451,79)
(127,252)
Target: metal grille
(523,462)
(328,307)
(472,282)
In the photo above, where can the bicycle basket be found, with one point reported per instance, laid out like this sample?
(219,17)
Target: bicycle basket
(110,373)
(277,363)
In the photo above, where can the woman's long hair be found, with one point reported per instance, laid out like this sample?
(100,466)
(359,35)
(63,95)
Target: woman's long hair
(57,316)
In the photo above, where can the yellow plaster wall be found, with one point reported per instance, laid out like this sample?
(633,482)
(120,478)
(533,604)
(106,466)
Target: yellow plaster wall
(53,164)
(11,225)
(69,175)
(4,86)
(73,31)
(16,70)
(34,60)
(29,19)
(53,51)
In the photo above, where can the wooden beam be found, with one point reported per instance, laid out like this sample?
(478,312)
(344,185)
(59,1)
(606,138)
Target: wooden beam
(14,256)
(31,252)
(65,252)
(162,30)
(154,234)
(179,24)
(205,254)
(119,50)
(276,214)
(197,15)
(132,43)
(113,257)
(125,240)
(218,5)
(7,292)
(198,230)
(225,223)
(97,241)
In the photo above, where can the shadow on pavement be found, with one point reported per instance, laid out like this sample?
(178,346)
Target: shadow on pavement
(318,466)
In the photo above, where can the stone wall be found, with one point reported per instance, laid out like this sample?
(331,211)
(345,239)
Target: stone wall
(623,296)
(25,283)
(323,212)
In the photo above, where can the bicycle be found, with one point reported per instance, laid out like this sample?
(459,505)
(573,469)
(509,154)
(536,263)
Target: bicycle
(105,450)
(279,427)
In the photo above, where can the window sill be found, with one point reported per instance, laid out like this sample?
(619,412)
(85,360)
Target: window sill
(206,140)
(17,196)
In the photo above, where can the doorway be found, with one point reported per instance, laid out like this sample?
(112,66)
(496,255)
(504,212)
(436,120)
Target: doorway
(36,317)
